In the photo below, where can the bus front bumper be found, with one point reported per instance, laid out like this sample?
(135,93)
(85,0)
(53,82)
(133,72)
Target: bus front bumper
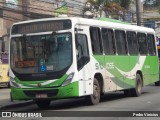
(71,90)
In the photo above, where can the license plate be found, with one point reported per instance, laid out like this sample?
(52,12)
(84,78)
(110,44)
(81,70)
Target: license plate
(41,95)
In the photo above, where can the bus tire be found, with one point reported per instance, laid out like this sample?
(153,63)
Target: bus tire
(11,98)
(95,97)
(43,104)
(8,85)
(127,93)
(137,91)
(157,83)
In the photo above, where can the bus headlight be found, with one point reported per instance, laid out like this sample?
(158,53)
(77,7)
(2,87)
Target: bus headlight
(69,79)
(13,83)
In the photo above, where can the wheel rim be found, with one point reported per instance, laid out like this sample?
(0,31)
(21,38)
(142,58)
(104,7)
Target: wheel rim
(139,86)
(95,92)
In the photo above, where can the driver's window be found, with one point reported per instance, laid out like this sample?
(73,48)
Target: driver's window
(82,50)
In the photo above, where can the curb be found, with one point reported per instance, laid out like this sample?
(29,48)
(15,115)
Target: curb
(16,104)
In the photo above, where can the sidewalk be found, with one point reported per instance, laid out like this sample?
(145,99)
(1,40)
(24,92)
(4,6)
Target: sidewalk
(5,102)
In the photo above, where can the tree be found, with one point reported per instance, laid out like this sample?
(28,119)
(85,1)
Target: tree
(109,7)
(125,4)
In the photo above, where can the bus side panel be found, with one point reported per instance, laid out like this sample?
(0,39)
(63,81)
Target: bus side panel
(87,73)
(154,68)
(146,70)
(85,87)
(140,63)
(117,69)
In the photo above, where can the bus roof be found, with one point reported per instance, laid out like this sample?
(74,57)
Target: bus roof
(98,23)
(119,26)
(112,20)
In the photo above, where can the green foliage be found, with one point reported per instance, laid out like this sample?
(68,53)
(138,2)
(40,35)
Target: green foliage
(114,8)
(122,3)
(125,4)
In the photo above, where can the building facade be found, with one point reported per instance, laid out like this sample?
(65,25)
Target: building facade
(12,11)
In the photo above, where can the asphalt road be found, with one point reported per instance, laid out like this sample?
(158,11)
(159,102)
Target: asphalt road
(148,101)
(4,96)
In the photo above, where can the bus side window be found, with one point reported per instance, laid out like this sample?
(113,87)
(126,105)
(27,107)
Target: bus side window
(143,48)
(108,41)
(132,43)
(121,42)
(96,40)
(151,44)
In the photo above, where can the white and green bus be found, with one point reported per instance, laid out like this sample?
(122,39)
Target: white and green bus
(57,58)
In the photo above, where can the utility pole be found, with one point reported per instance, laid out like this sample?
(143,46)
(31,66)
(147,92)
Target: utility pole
(25,8)
(138,12)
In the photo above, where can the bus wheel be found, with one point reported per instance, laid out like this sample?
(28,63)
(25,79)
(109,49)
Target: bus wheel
(8,85)
(127,93)
(43,103)
(95,97)
(157,83)
(136,92)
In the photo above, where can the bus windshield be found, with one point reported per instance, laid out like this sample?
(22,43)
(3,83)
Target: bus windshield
(41,53)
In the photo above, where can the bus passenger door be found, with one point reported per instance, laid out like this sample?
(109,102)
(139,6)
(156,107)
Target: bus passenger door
(85,60)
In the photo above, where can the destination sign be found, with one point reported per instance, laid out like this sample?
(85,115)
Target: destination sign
(24,64)
(42,26)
